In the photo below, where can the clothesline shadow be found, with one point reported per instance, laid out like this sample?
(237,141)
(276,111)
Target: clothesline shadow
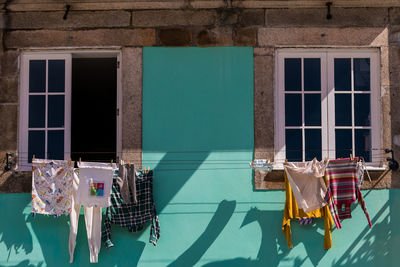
(379,244)
(273,246)
(14,233)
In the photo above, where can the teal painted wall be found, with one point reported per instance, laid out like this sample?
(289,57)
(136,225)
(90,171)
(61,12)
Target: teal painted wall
(198,136)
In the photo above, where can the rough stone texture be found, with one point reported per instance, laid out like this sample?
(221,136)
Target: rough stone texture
(75,19)
(323,36)
(245,37)
(263,109)
(175,37)
(220,36)
(150,18)
(2,20)
(227,16)
(132,85)
(8,90)
(394,16)
(264,51)
(208,3)
(9,63)
(15,182)
(8,127)
(99,37)
(347,17)
(394,66)
(394,37)
(254,17)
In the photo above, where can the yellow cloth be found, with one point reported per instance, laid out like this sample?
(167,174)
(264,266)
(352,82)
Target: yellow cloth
(292,211)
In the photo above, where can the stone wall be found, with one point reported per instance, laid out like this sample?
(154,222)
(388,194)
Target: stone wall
(131,25)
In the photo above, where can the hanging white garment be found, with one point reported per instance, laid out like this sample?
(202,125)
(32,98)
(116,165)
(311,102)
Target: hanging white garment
(308,185)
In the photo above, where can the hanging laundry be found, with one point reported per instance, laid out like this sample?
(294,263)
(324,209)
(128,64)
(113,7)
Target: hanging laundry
(292,211)
(343,190)
(133,215)
(307,182)
(95,181)
(91,188)
(51,187)
(127,182)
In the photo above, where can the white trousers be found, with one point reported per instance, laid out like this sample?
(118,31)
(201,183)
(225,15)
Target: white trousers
(93,226)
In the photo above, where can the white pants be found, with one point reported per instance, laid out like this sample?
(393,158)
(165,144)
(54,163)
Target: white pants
(93,226)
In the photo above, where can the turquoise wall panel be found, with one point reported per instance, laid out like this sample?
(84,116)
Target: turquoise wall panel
(198,137)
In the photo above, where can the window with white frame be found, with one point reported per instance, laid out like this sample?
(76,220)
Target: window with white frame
(44,107)
(327,105)
(64,99)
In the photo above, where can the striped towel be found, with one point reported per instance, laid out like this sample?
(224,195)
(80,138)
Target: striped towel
(343,190)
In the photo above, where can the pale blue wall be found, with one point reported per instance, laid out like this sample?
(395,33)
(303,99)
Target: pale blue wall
(201,99)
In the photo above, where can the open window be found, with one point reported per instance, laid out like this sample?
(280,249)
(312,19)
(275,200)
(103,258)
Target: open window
(68,107)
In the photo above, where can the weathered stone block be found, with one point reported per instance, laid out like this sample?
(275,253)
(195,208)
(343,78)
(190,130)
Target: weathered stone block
(264,105)
(385,68)
(394,15)
(155,18)
(8,127)
(394,67)
(264,51)
(132,105)
(15,182)
(75,19)
(323,36)
(227,17)
(221,36)
(252,17)
(9,89)
(100,37)
(175,37)
(2,21)
(9,63)
(348,17)
(246,36)
(394,35)
(207,4)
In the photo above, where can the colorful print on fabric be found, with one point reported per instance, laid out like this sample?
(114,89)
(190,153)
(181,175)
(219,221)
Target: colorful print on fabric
(51,187)
(96,189)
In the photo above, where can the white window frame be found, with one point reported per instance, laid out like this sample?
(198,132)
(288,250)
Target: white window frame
(328,97)
(67,55)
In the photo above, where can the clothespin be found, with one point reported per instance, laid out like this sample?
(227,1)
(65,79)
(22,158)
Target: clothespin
(33,157)
(351,157)
(286,161)
(69,162)
(111,163)
(80,161)
(129,163)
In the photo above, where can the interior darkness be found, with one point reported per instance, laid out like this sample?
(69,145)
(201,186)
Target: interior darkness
(94,105)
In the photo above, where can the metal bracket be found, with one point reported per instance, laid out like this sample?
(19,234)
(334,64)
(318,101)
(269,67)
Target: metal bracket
(393,164)
(328,6)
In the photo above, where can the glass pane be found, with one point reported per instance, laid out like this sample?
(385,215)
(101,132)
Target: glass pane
(56,75)
(292,74)
(36,145)
(342,109)
(363,144)
(37,104)
(362,80)
(294,145)
(313,144)
(362,110)
(293,110)
(55,144)
(55,111)
(342,74)
(312,109)
(37,76)
(312,74)
(343,143)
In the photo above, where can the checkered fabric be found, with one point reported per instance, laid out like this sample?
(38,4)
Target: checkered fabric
(130,215)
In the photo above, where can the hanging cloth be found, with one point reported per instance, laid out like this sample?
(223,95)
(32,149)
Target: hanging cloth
(307,182)
(51,187)
(292,211)
(343,189)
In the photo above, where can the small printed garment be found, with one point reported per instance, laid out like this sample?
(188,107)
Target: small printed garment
(95,180)
(343,189)
(133,215)
(51,187)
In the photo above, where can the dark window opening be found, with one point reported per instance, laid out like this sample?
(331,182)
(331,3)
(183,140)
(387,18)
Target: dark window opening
(93,108)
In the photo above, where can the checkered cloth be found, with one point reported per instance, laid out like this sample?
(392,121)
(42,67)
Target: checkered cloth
(130,215)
